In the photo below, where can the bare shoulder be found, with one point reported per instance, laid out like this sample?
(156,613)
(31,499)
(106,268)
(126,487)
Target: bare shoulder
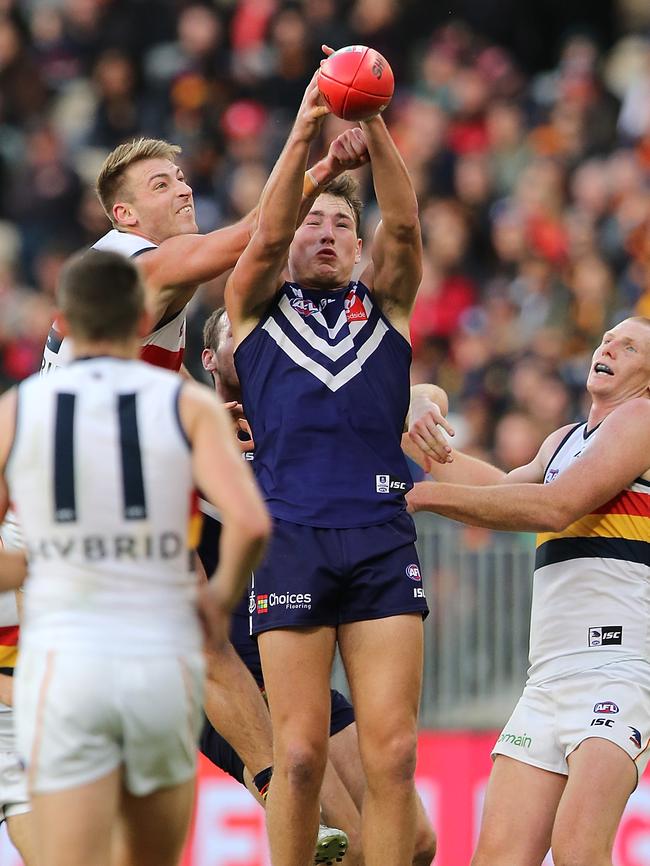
(629,427)
(553,441)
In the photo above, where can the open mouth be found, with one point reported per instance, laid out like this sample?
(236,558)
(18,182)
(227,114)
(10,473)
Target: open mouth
(603,369)
(186,209)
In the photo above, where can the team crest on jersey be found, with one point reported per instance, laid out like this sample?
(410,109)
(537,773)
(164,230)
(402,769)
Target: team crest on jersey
(413,571)
(354,309)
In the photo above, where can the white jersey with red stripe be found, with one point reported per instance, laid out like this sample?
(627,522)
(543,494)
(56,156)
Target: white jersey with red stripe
(163,347)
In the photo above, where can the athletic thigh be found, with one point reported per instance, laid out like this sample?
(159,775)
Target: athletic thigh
(74,826)
(518,814)
(153,828)
(383,662)
(297,665)
(601,778)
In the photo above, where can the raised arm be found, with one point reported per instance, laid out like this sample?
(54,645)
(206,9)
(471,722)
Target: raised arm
(396,269)
(258,273)
(599,474)
(174,269)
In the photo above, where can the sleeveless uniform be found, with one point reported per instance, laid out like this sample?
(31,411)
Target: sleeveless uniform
(325,386)
(215,748)
(163,347)
(13,785)
(589,672)
(100,475)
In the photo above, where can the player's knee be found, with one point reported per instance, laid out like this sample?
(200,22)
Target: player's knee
(302,763)
(425,846)
(393,759)
(578,852)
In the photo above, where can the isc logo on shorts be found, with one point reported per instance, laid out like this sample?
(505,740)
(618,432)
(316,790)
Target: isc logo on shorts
(606,635)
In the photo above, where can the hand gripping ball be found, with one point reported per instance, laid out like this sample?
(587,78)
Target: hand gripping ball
(356,82)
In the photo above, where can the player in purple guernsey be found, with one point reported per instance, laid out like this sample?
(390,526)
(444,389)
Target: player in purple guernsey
(324,366)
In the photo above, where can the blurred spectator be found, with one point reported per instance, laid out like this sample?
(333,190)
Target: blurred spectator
(532,183)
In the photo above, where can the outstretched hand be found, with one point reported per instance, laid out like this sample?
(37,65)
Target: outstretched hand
(311,112)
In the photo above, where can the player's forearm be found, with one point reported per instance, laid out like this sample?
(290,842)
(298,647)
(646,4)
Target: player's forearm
(241,548)
(465,469)
(6,690)
(517,507)
(396,197)
(13,569)
(283,194)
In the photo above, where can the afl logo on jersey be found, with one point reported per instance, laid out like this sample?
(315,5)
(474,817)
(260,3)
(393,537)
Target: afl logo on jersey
(413,571)
(551,475)
(303,306)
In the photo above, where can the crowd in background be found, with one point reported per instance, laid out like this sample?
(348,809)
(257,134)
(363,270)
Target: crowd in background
(533,186)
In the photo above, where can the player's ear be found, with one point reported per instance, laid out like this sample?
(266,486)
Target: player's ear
(209,360)
(357,257)
(123,214)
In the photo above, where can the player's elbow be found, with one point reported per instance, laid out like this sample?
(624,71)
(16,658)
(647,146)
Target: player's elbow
(558,518)
(273,239)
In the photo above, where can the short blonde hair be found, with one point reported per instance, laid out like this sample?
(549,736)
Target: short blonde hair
(116,163)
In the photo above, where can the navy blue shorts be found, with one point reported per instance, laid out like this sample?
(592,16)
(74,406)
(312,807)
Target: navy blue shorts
(312,576)
(221,753)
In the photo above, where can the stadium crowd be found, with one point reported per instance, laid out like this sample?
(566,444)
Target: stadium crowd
(533,188)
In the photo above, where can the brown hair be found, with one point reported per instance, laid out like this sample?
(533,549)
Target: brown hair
(111,174)
(211,329)
(347,188)
(101,295)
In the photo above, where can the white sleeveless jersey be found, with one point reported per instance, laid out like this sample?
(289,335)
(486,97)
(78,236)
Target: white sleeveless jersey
(164,347)
(100,476)
(591,591)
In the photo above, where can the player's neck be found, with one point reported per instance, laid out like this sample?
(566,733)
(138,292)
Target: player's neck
(228,393)
(105,348)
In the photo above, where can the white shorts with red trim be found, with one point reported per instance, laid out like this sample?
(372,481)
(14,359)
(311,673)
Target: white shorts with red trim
(81,716)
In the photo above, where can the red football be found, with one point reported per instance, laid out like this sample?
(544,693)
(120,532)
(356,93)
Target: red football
(356,82)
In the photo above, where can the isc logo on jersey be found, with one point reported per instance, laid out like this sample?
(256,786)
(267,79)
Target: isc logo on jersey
(388,484)
(290,600)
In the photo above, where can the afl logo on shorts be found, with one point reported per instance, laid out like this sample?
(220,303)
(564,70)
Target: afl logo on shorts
(605,707)
(413,571)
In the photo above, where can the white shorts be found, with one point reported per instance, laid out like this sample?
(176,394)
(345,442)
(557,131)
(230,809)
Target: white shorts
(79,717)
(13,784)
(553,718)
